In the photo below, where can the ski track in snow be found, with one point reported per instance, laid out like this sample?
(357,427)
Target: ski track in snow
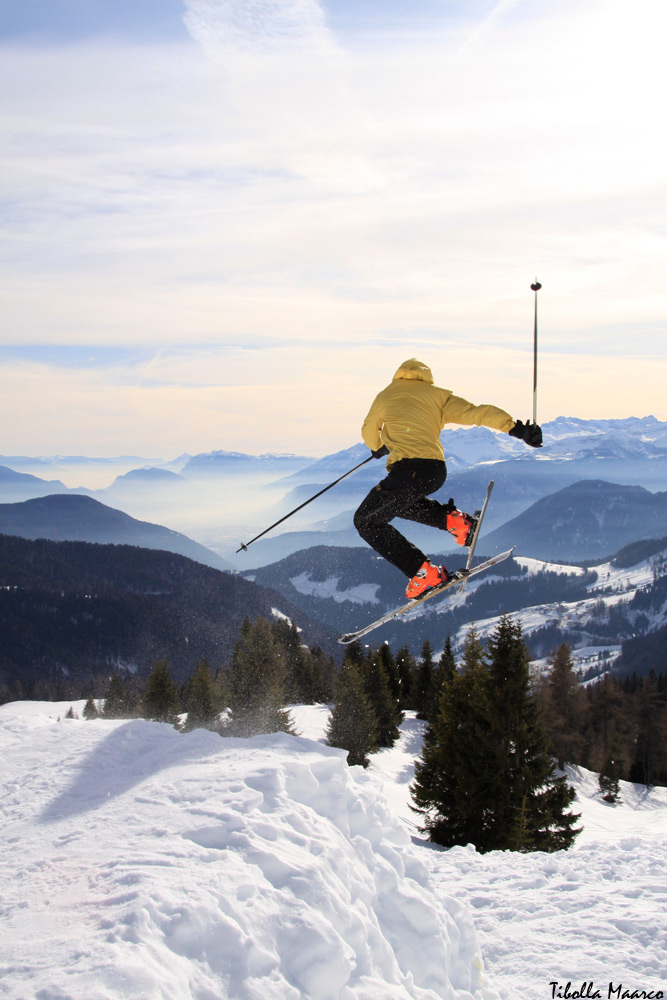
(137,862)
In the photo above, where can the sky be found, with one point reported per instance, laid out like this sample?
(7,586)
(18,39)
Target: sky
(225,223)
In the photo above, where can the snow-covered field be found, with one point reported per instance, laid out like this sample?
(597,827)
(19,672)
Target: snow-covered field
(137,862)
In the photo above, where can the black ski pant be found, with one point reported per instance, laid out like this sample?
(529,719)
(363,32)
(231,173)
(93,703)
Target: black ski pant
(403,493)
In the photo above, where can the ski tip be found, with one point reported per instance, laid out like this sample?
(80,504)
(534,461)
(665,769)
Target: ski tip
(345,639)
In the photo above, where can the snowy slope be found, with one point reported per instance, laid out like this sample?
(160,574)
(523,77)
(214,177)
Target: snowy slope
(596,914)
(140,862)
(612,592)
(137,862)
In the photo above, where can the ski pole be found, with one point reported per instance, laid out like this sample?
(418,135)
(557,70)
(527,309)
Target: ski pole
(535,287)
(244,545)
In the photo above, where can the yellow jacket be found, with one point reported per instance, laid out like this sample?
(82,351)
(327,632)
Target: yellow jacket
(409,414)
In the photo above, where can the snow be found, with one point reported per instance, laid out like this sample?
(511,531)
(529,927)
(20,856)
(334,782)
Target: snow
(138,862)
(535,566)
(363,593)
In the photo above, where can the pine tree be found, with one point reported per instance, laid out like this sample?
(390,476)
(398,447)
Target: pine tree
(609,781)
(325,672)
(161,702)
(405,666)
(450,787)
(447,663)
(650,733)
(90,709)
(257,683)
(389,663)
(607,723)
(385,706)
(530,800)
(486,776)
(199,699)
(425,683)
(563,708)
(300,681)
(352,724)
(117,702)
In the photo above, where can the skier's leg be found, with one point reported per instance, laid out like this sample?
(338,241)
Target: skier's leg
(401,494)
(429,476)
(372,519)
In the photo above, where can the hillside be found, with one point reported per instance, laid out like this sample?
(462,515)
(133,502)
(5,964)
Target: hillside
(586,520)
(596,608)
(72,609)
(70,517)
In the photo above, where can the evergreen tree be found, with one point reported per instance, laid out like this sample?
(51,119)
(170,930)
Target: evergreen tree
(90,709)
(389,663)
(385,706)
(425,683)
(451,788)
(650,733)
(485,775)
(117,701)
(405,666)
(352,724)
(607,723)
(530,800)
(297,661)
(161,702)
(199,699)
(447,663)
(563,708)
(609,781)
(325,672)
(257,683)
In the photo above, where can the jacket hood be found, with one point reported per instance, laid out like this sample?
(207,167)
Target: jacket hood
(414,369)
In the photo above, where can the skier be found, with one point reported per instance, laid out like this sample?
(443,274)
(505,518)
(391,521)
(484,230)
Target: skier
(404,423)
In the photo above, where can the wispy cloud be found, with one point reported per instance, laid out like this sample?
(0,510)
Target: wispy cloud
(269,183)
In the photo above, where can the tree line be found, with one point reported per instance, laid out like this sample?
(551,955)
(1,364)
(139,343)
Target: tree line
(496,740)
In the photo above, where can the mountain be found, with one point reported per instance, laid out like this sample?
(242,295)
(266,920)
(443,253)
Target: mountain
(597,609)
(75,609)
(586,520)
(16,486)
(222,497)
(80,518)
(346,588)
(224,463)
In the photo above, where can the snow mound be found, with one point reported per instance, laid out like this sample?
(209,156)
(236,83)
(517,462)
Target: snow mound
(150,863)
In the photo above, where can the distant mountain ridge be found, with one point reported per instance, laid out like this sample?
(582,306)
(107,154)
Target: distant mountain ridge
(223,497)
(590,519)
(70,517)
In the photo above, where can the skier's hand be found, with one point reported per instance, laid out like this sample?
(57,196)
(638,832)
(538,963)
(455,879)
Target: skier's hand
(531,434)
(380,452)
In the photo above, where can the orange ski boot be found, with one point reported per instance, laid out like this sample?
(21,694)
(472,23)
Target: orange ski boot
(426,577)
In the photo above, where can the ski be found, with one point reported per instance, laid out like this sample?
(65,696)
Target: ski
(479,514)
(458,581)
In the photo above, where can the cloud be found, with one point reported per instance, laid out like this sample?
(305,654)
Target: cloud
(275,192)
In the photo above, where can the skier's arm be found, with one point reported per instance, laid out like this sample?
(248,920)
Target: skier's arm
(372,427)
(459,411)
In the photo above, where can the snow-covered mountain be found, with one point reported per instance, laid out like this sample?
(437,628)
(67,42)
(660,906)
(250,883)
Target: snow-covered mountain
(222,498)
(137,861)
(595,608)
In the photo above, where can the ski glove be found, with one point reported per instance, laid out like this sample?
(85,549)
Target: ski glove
(381,452)
(530,433)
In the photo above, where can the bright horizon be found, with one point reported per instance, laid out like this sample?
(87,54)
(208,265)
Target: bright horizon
(227,222)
